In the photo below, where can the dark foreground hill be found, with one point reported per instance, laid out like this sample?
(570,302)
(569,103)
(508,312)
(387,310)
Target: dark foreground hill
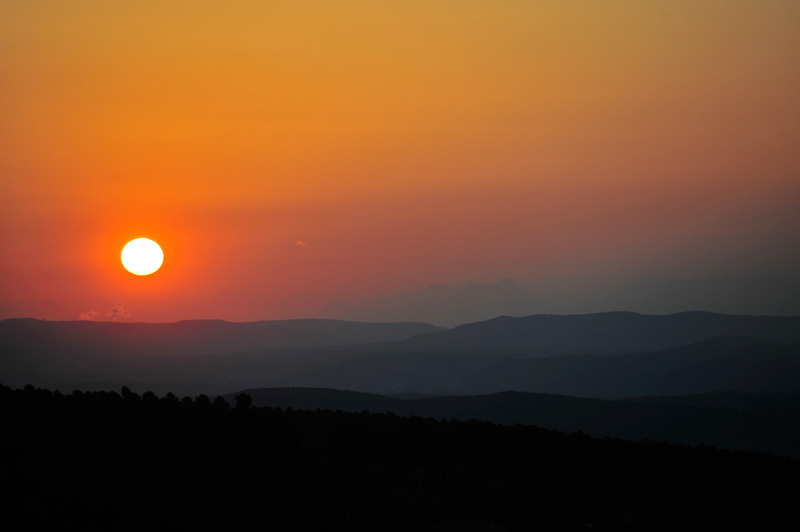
(760,421)
(104,461)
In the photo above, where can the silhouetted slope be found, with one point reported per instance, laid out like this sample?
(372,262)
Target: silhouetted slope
(105,461)
(746,401)
(605,333)
(767,422)
(716,364)
(322,398)
(730,363)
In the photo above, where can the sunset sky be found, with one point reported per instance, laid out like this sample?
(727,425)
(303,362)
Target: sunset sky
(287,155)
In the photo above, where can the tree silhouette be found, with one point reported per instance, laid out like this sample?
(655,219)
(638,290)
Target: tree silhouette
(128,395)
(221,404)
(203,402)
(243,401)
(149,398)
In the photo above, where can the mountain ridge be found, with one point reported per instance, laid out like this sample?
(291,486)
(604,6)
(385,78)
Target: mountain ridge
(605,332)
(600,355)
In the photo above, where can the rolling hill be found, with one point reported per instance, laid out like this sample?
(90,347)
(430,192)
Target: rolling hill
(60,352)
(603,333)
(731,420)
(597,355)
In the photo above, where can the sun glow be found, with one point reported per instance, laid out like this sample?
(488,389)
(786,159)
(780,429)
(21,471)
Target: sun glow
(142,256)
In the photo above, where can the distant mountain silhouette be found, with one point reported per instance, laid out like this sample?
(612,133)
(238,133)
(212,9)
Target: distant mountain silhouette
(733,420)
(449,306)
(748,401)
(600,355)
(54,352)
(716,364)
(726,363)
(443,305)
(603,333)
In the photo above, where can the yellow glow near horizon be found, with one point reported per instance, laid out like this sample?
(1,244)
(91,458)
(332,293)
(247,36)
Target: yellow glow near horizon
(142,256)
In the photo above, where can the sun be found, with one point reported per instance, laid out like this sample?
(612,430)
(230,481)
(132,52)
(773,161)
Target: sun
(142,256)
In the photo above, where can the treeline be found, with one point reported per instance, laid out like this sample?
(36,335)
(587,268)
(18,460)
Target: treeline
(121,461)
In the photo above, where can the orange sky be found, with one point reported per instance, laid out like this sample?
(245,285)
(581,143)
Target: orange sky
(405,142)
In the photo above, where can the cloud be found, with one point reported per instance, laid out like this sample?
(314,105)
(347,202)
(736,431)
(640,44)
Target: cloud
(92,315)
(301,243)
(118,312)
